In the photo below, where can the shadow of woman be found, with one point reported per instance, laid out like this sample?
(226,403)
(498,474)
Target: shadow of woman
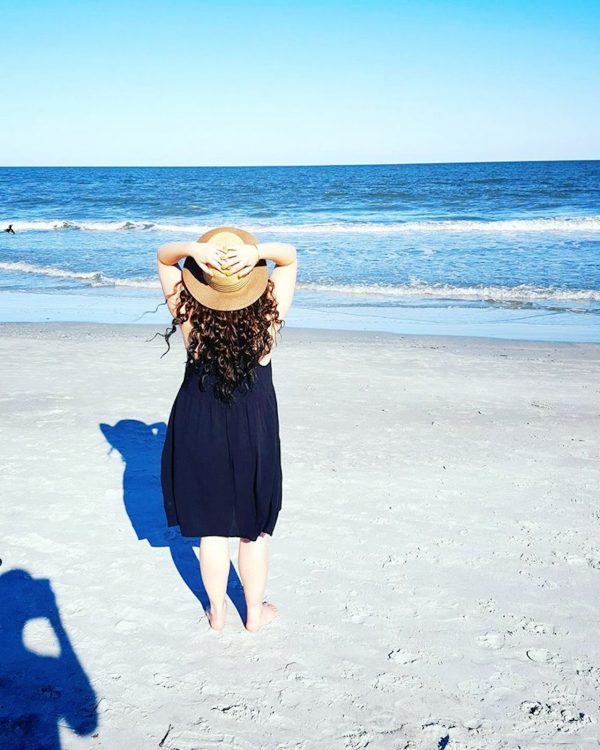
(37,690)
(140,446)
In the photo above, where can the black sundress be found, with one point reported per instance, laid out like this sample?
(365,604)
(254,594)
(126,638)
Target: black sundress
(221,463)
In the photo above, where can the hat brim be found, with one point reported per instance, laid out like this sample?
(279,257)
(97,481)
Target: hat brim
(193,279)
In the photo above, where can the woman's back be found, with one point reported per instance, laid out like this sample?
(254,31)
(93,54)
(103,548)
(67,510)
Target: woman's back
(187,328)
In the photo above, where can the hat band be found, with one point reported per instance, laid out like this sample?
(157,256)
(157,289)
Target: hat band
(229,287)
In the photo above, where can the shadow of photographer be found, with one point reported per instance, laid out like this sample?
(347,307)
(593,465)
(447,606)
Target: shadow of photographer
(38,691)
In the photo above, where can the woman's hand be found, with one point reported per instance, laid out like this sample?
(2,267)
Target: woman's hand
(207,256)
(241,260)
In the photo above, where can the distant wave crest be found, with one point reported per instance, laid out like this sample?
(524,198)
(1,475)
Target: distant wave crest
(415,288)
(91,278)
(567,224)
(54,225)
(550,224)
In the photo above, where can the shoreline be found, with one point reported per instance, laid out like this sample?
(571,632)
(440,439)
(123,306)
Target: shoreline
(296,334)
(426,318)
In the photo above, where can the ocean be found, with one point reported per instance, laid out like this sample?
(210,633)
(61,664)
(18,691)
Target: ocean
(503,250)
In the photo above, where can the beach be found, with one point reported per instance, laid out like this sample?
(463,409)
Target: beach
(435,563)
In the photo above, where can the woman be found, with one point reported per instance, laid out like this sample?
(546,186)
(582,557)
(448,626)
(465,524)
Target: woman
(221,463)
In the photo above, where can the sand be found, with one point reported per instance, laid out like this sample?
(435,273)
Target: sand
(436,561)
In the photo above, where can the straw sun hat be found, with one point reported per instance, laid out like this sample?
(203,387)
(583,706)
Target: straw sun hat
(224,290)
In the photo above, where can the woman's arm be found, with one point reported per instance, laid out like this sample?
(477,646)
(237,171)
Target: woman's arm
(242,260)
(204,253)
(281,253)
(284,274)
(169,271)
(171,253)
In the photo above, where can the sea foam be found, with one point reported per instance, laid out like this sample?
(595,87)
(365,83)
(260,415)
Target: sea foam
(415,288)
(568,224)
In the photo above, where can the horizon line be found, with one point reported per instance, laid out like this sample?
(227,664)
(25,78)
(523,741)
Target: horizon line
(290,166)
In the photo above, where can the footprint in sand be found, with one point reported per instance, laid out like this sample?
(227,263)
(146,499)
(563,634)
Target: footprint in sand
(390,683)
(357,739)
(239,711)
(554,716)
(475,688)
(165,681)
(540,655)
(401,656)
(493,640)
(293,671)
(539,628)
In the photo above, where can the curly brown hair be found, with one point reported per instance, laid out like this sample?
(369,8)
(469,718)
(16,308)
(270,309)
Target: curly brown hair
(226,343)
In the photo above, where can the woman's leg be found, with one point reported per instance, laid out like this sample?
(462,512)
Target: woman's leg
(253,563)
(214,569)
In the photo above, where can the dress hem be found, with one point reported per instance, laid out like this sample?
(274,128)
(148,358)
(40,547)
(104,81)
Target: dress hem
(218,533)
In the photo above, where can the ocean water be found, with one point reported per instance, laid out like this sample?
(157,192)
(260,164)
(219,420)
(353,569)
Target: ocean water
(509,250)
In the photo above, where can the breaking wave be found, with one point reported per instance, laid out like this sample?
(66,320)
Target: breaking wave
(552,224)
(91,278)
(415,288)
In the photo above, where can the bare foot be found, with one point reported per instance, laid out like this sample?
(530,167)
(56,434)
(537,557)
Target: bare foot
(264,615)
(217,619)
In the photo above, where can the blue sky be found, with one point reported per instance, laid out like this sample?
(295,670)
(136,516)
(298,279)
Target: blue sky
(229,83)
